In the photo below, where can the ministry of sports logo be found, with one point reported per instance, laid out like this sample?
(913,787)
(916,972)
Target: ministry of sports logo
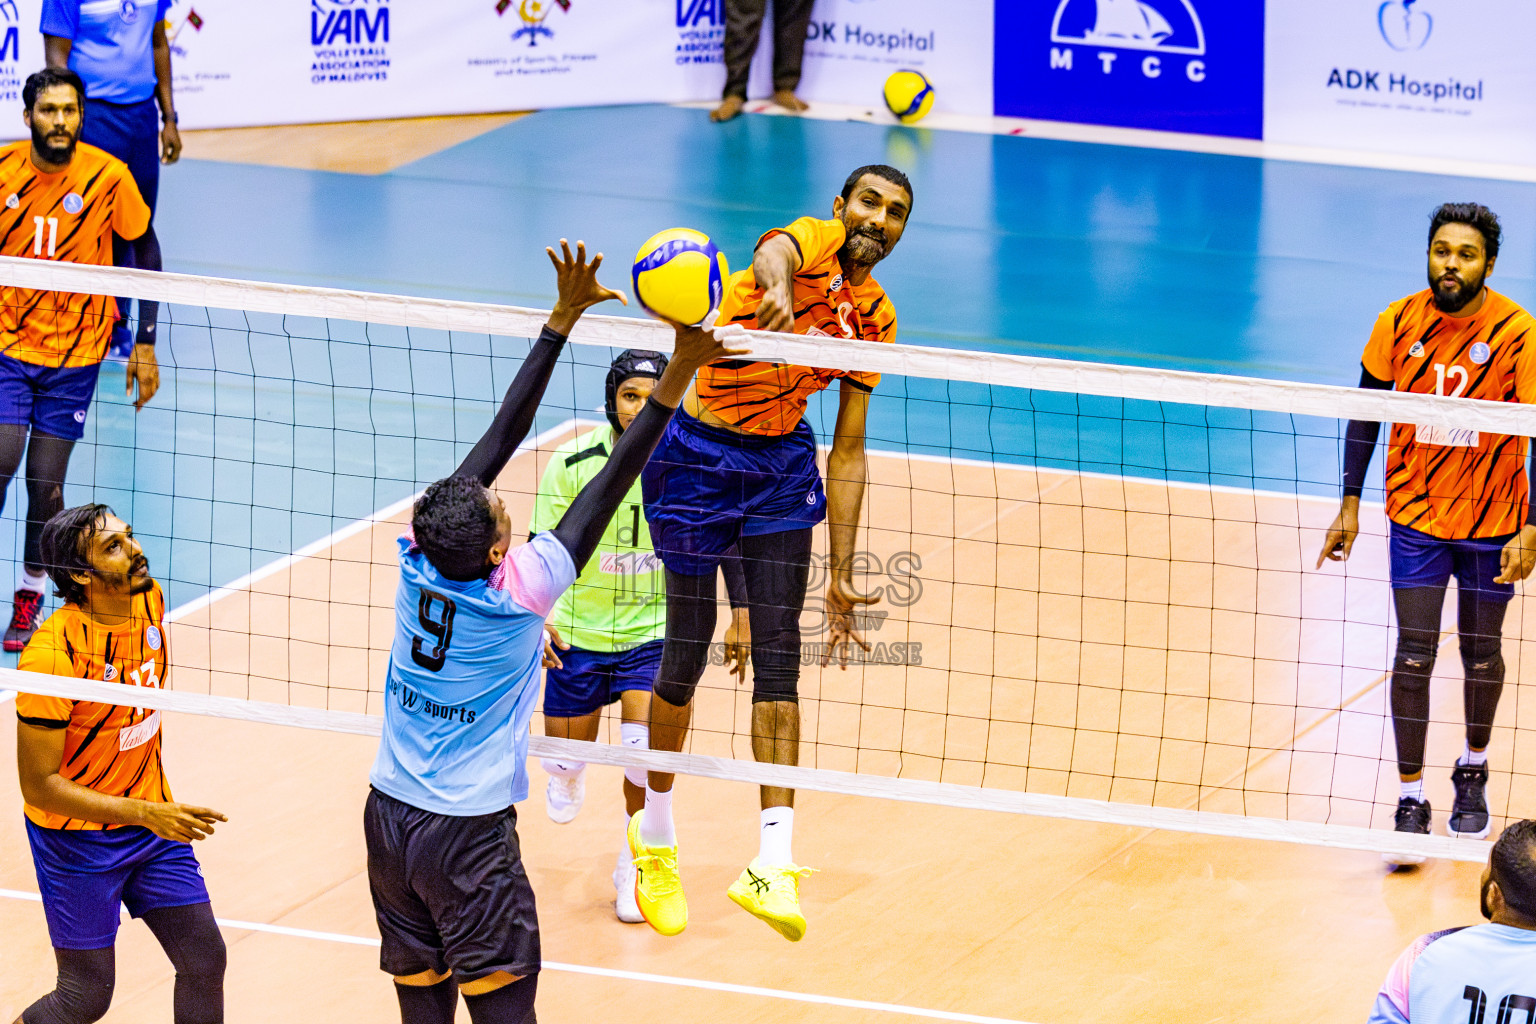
(533,14)
(1165,26)
(1403,27)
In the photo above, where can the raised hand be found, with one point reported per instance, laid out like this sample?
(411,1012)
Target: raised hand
(578,286)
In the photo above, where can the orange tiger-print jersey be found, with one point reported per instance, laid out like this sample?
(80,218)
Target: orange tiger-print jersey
(69,216)
(113,749)
(1460,484)
(770,398)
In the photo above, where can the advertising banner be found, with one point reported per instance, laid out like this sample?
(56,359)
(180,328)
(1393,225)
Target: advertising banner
(293,61)
(1174,65)
(1451,78)
(854,45)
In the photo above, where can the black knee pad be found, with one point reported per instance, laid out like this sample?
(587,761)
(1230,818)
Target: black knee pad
(677,694)
(776,666)
(1482,657)
(84,992)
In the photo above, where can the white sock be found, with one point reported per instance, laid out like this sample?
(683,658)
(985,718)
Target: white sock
(1414,789)
(35,582)
(635,736)
(656,828)
(1474,757)
(778,830)
(564,769)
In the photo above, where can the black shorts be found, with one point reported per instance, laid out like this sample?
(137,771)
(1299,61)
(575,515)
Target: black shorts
(449,892)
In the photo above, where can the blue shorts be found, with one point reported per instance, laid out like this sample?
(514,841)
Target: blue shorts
(706,487)
(85,876)
(53,400)
(1419,560)
(591,679)
(130,132)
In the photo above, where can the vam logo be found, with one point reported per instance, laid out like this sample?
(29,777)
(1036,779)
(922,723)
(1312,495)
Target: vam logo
(348,22)
(10,44)
(1156,27)
(1402,27)
(693,13)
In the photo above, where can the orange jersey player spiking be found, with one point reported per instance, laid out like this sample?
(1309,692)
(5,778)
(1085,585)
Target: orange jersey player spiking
(1457,499)
(738,468)
(102,826)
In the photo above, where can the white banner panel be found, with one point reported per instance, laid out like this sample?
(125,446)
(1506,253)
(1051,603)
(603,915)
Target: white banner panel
(1451,78)
(294,61)
(854,45)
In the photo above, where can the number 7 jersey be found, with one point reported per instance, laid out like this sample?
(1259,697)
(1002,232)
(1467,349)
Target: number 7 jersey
(1456,484)
(111,748)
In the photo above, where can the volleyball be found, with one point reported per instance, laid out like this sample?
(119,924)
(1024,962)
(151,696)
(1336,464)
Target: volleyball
(680,275)
(909,94)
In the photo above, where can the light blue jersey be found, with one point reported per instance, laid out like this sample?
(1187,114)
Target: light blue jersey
(113,44)
(1485,974)
(464,676)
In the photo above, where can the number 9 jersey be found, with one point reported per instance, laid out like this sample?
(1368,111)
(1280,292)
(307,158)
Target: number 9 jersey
(113,749)
(463,679)
(1455,484)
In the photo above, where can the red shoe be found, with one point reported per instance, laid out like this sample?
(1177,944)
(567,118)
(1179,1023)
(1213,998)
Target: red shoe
(27,609)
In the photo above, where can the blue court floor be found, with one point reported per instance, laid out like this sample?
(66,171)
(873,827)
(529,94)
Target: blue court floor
(271,434)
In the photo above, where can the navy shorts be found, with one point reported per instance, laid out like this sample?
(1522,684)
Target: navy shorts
(449,892)
(592,679)
(705,488)
(130,132)
(1419,560)
(53,400)
(86,876)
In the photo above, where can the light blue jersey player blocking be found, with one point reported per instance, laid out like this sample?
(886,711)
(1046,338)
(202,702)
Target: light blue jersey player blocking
(1482,975)
(456,728)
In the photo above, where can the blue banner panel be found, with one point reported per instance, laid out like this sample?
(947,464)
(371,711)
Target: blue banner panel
(1173,65)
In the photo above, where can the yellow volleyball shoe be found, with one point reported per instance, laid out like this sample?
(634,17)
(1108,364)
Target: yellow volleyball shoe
(658,886)
(771,893)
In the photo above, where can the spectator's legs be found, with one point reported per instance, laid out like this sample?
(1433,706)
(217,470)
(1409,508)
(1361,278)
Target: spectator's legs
(791,19)
(743,25)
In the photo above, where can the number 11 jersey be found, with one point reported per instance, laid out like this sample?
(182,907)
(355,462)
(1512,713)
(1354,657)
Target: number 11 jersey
(464,678)
(1455,484)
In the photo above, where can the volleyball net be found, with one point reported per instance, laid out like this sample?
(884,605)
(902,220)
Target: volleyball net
(1095,587)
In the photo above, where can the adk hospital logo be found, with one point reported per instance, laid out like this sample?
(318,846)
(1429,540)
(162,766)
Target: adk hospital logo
(1407,28)
(1403,27)
(1180,65)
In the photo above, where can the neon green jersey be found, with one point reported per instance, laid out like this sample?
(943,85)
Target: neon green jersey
(619,600)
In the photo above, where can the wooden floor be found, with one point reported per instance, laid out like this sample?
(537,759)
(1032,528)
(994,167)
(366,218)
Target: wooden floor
(351,147)
(1087,636)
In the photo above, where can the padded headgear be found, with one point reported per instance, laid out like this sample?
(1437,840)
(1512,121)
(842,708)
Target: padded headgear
(634,362)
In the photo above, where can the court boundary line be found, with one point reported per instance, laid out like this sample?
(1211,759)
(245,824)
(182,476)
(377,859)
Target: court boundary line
(615,973)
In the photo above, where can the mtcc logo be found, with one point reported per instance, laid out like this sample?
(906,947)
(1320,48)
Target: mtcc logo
(1156,27)
(1167,26)
(1402,27)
